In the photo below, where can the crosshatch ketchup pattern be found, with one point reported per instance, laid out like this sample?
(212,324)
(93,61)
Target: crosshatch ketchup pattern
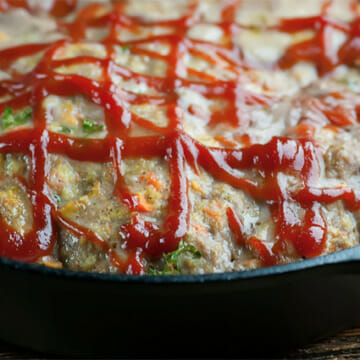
(298,155)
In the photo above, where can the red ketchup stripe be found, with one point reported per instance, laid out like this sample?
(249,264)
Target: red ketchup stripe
(297,156)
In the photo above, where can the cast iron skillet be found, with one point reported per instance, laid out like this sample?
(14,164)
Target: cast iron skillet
(231,314)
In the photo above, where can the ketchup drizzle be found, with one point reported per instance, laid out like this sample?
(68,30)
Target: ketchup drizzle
(299,156)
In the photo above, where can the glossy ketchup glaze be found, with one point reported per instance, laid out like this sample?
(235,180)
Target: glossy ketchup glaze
(297,156)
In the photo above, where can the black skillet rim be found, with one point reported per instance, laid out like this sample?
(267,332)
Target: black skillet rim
(343,256)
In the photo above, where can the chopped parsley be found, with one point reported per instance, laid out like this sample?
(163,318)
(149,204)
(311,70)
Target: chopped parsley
(9,119)
(57,198)
(89,127)
(126,47)
(65,129)
(170,262)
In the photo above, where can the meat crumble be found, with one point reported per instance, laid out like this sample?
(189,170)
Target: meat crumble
(178,137)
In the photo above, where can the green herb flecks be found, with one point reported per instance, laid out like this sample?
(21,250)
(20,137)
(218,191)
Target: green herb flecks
(65,129)
(126,47)
(90,127)
(8,119)
(170,262)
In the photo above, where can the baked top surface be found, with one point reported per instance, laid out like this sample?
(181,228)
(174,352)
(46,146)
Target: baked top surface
(178,136)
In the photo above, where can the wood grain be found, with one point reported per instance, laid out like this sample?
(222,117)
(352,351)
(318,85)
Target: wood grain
(345,345)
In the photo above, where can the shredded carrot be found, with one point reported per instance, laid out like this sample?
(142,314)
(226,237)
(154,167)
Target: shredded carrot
(49,261)
(225,141)
(217,203)
(195,186)
(200,229)
(267,87)
(54,265)
(144,205)
(245,139)
(67,115)
(333,128)
(95,189)
(151,179)
(213,214)
(74,206)
(302,130)
(68,106)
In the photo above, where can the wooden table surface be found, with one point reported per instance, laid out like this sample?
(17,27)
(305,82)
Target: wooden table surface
(345,345)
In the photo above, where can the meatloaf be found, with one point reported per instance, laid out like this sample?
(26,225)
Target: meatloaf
(178,137)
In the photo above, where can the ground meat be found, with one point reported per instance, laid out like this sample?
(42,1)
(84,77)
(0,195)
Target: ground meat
(342,160)
(80,254)
(247,136)
(342,231)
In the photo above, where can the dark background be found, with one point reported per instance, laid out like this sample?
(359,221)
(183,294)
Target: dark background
(345,345)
